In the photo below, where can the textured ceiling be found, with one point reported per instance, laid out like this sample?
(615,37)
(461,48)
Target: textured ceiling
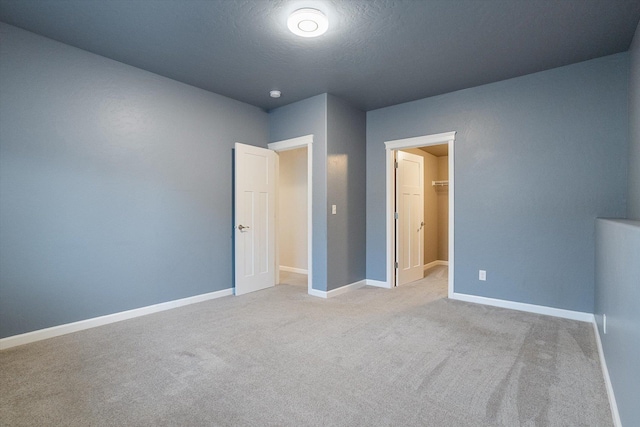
(376,53)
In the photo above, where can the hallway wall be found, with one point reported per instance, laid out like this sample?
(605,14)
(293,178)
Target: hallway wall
(309,117)
(292,209)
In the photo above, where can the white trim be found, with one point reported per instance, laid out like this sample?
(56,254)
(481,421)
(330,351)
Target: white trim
(339,291)
(55,331)
(294,269)
(419,141)
(391,239)
(530,308)
(452,193)
(607,380)
(317,293)
(292,144)
(434,263)
(276,254)
(309,213)
(378,283)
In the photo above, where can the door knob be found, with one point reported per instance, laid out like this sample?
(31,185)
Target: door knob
(243,227)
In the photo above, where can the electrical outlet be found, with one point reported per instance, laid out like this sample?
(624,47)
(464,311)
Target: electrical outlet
(333,209)
(482,275)
(604,323)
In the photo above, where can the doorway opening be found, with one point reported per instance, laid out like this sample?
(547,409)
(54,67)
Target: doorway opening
(292,217)
(294,211)
(420,208)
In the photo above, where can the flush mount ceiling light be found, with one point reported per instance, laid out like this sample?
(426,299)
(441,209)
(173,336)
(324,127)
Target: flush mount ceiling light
(275,94)
(308,23)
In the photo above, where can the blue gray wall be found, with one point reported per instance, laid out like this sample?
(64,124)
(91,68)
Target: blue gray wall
(633,209)
(617,270)
(617,296)
(346,188)
(339,164)
(537,159)
(298,119)
(115,185)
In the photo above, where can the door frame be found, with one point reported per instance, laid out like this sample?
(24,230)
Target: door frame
(419,141)
(292,144)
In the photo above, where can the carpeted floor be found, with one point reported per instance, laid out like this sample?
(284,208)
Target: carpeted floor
(371,357)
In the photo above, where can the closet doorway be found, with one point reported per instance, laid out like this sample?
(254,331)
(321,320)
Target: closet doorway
(422,227)
(420,212)
(293,212)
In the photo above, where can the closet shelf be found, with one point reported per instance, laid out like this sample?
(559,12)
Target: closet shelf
(439,183)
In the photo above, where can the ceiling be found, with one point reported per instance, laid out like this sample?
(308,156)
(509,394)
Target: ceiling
(376,53)
(436,150)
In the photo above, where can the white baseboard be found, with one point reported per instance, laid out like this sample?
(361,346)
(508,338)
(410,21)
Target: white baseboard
(294,269)
(434,263)
(317,293)
(339,291)
(531,308)
(378,283)
(607,380)
(55,331)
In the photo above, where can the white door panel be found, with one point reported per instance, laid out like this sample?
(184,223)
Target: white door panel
(410,208)
(255,187)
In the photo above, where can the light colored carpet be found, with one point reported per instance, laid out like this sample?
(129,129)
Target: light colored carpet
(293,279)
(401,357)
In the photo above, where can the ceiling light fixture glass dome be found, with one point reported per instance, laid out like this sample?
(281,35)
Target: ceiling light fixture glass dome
(308,23)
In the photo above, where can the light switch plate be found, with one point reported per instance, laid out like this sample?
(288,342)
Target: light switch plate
(333,209)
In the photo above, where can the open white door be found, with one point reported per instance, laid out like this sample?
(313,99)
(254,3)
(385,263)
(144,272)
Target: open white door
(255,217)
(410,223)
